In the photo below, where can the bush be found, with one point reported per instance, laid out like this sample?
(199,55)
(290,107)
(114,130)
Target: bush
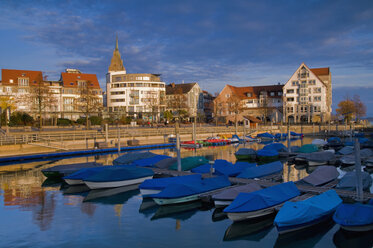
(63,122)
(95,120)
(81,121)
(125,120)
(20,119)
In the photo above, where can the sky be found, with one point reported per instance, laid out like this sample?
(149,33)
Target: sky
(212,42)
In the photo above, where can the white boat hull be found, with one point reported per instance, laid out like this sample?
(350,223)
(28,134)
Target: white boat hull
(315,163)
(222,203)
(364,228)
(250,215)
(114,184)
(147,192)
(164,201)
(74,181)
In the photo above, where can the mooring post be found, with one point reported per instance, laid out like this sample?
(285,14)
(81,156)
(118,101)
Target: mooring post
(289,148)
(212,169)
(106,133)
(194,131)
(359,183)
(118,139)
(178,145)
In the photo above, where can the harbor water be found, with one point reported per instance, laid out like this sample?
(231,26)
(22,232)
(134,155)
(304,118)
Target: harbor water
(36,212)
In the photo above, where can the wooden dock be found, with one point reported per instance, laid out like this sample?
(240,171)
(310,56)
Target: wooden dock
(271,181)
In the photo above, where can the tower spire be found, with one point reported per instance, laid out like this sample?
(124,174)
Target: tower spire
(116,44)
(116,63)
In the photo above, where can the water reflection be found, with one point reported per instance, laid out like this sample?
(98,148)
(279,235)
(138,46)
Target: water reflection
(179,211)
(353,239)
(254,230)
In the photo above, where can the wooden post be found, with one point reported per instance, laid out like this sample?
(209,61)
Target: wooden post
(194,130)
(106,133)
(359,183)
(118,139)
(289,146)
(178,145)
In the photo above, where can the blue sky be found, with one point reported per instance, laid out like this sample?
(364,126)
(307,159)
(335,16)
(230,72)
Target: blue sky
(213,42)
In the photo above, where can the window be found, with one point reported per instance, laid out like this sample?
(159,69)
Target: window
(272,93)
(8,89)
(118,100)
(117,79)
(317,98)
(312,82)
(279,93)
(250,101)
(227,95)
(82,83)
(317,90)
(249,94)
(145,78)
(294,83)
(290,91)
(138,78)
(290,99)
(22,81)
(11,81)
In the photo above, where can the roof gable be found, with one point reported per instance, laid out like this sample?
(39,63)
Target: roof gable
(316,72)
(10,74)
(242,92)
(71,79)
(173,88)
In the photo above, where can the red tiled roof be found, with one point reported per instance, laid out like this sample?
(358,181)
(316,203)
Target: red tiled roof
(320,71)
(71,79)
(8,74)
(241,92)
(173,88)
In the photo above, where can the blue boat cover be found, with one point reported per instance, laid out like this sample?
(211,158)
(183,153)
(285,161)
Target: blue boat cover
(205,168)
(182,190)
(295,213)
(354,215)
(245,151)
(161,183)
(276,146)
(308,148)
(265,198)
(84,173)
(150,162)
(189,163)
(120,173)
(296,134)
(265,135)
(261,170)
(129,157)
(334,139)
(223,167)
(266,153)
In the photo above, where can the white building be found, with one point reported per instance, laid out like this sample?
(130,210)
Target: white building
(138,95)
(308,95)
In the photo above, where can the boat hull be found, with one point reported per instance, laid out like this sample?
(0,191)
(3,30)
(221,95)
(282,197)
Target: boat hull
(250,215)
(74,181)
(294,228)
(245,157)
(148,192)
(222,203)
(165,201)
(364,228)
(114,184)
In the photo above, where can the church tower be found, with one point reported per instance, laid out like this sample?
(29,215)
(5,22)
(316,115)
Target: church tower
(116,63)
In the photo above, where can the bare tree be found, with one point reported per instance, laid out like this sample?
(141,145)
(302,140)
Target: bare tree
(360,108)
(217,108)
(265,107)
(234,107)
(89,101)
(178,102)
(40,99)
(7,103)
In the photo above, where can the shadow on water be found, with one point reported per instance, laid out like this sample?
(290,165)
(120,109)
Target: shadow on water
(218,215)
(112,196)
(52,182)
(182,211)
(348,239)
(307,237)
(148,207)
(254,230)
(76,190)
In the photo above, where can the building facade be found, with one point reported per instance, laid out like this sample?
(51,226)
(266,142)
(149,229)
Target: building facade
(260,102)
(30,92)
(308,95)
(188,97)
(138,95)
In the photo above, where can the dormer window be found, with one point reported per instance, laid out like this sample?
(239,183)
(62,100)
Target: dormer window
(249,94)
(303,73)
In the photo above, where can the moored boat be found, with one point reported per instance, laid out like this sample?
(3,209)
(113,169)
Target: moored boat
(265,136)
(294,216)
(156,185)
(355,217)
(189,163)
(67,169)
(180,193)
(321,175)
(260,203)
(226,197)
(245,154)
(77,177)
(118,176)
(130,157)
(261,170)
(267,155)
(348,181)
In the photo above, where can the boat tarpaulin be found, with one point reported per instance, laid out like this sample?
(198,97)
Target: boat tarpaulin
(150,162)
(161,183)
(348,181)
(354,215)
(182,190)
(129,157)
(295,213)
(189,163)
(347,150)
(308,148)
(261,170)
(265,135)
(84,173)
(245,151)
(165,163)
(322,175)
(231,193)
(265,198)
(276,146)
(267,153)
(114,173)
